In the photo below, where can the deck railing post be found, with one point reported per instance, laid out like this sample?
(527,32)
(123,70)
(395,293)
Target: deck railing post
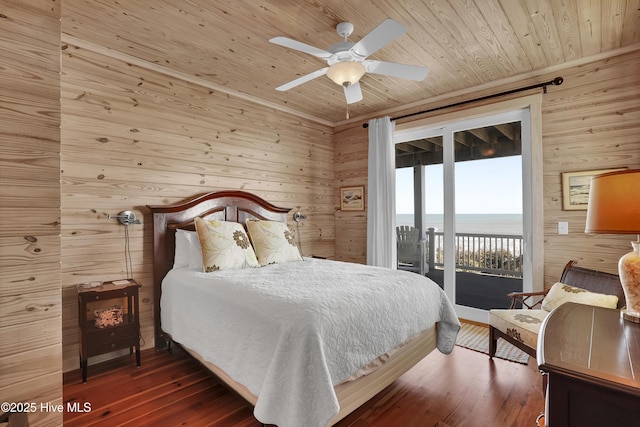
(432,247)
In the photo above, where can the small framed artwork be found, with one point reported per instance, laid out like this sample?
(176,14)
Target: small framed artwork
(352,198)
(575,188)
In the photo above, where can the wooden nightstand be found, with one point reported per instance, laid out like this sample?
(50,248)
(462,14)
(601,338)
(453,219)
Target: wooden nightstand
(94,340)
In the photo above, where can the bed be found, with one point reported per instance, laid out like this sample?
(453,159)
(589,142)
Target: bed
(295,339)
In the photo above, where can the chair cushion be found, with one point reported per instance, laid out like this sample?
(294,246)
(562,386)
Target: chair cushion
(521,325)
(561,293)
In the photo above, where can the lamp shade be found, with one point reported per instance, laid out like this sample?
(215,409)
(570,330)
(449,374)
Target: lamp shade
(614,203)
(346,72)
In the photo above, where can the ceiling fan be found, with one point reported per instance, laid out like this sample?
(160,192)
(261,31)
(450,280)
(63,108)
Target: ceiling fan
(347,61)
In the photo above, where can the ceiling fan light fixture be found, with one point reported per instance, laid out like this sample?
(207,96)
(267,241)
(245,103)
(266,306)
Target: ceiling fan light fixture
(347,61)
(346,72)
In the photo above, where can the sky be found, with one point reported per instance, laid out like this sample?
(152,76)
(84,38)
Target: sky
(482,186)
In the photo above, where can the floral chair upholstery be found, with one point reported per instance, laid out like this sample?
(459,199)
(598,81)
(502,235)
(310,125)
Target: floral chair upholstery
(520,327)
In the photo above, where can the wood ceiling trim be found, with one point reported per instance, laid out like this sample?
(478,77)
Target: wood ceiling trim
(74,41)
(83,44)
(487,86)
(464,44)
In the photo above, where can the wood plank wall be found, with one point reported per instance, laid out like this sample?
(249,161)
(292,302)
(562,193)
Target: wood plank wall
(591,121)
(132,136)
(30,301)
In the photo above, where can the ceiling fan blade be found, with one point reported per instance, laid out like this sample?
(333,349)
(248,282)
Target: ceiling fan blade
(411,72)
(353,93)
(386,32)
(302,47)
(303,79)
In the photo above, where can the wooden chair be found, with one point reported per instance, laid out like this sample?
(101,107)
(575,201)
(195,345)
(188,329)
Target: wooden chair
(411,250)
(520,327)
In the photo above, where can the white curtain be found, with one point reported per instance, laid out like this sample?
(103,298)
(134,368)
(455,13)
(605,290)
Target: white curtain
(381,212)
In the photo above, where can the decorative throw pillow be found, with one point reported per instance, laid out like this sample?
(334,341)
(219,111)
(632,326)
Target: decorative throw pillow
(561,293)
(273,242)
(224,245)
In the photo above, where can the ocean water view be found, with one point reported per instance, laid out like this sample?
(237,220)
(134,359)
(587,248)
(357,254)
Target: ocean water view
(471,223)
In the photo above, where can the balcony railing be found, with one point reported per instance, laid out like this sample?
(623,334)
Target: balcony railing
(499,254)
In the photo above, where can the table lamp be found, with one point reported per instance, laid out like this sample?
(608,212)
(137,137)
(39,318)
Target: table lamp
(614,208)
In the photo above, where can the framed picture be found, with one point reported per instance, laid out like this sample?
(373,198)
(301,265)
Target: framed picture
(575,188)
(352,198)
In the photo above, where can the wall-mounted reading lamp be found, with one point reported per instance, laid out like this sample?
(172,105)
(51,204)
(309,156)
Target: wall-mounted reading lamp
(126,218)
(297,217)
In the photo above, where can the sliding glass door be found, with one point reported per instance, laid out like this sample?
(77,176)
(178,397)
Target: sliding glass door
(474,192)
(488,215)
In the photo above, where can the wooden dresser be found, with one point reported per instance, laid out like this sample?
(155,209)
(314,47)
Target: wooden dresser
(592,357)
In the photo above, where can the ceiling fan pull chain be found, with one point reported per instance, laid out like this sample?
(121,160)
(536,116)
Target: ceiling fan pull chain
(347,111)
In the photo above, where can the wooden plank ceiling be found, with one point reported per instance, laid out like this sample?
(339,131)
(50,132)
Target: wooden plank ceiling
(224,43)
(474,144)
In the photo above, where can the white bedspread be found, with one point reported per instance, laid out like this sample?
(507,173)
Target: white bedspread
(290,332)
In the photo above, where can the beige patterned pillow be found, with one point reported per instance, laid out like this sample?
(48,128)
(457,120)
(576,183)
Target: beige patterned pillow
(561,293)
(224,245)
(273,241)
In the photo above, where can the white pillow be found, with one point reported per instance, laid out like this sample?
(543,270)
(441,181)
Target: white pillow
(187,252)
(561,293)
(224,246)
(273,241)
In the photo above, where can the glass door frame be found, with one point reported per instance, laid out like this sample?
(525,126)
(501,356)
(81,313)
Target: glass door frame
(528,113)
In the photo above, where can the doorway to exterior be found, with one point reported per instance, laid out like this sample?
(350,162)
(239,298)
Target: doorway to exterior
(464,186)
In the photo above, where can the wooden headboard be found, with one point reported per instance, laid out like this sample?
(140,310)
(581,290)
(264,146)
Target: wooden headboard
(235,206)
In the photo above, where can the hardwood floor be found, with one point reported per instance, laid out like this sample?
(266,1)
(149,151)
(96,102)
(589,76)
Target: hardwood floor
(465,388)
